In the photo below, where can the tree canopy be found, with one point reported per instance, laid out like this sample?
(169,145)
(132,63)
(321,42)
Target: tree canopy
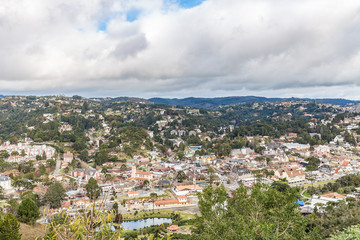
(28,211)
(54,195)
(9,228)
(93,190)
(260,213)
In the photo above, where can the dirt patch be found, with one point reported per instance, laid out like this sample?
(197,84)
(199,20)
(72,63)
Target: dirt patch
(30,232)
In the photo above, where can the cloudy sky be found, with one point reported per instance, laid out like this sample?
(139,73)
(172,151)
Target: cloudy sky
(181,48)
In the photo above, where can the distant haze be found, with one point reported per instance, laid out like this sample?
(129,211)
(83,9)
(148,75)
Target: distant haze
(181,48)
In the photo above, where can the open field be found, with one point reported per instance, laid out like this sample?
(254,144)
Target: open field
(316,184)
(155,214)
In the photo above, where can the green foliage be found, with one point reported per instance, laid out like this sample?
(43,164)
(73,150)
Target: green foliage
(313,164)
(14,153)
(9,228)
(350,233)
(54,195)
(42,170)
(4,154)
(344,184)
(28,211)
(264,213)
(33,196)
(95,225)
(101,157)
(350,138)
(115,207)
(13,206)
(337,216)
(181,176)
(22,184)
(93,190)
(84,155)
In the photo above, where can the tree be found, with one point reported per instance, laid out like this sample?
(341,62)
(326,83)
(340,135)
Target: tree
(22,185)
(145,183)
(115,207)
(211,175)
(181,176)
(84,155)
(9,228)
(350,233)
(50,163)
(158,232)
(42,170)
(79,145)
(153,196)
(14,153)
(4,154)
(109,177)
(28,211)
(13,206)
(313,164)
(260,213)
(98,226)
(329,220)
(33,196)
(93,190)
(54,195)
(123,167)
(180,155)
(101,157)
(1,192)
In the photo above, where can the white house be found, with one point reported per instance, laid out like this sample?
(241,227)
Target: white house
(5,182)
(292,175)
(186,190)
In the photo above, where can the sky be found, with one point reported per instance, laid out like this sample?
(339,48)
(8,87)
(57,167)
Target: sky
(181,48)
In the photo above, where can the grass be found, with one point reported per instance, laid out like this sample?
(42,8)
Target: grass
(186,216)
(155,214)
(316,184)
(30,232)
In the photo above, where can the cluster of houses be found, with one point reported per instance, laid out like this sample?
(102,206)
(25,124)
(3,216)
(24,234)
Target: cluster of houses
(26,151)
(156,180)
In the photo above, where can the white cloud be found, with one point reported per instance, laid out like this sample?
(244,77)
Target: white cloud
(221,47)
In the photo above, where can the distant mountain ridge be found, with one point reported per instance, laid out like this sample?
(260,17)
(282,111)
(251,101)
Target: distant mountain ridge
(122,99)
(219,101)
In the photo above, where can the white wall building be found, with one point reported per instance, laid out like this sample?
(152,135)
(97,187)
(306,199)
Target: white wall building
(5,182)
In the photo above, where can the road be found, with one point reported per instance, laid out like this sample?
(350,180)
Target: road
(302,194)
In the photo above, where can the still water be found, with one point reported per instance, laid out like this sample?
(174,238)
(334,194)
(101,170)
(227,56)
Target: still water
(130,225)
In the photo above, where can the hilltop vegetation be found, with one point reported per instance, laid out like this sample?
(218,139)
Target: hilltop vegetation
(221,101)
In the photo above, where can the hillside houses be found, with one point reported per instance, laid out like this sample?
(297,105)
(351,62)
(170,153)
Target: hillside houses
(29,151)
(292,175)
(85,174)
(140,175)
(187,189)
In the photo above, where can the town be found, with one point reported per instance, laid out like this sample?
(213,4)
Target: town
(148,158)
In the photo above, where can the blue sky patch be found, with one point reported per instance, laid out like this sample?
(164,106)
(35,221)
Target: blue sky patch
(132,15)
(189,3)
(102,25)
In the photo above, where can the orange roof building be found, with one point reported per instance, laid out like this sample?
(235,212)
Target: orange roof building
(173,228)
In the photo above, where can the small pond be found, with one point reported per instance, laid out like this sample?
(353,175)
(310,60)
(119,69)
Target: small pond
(130,225)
